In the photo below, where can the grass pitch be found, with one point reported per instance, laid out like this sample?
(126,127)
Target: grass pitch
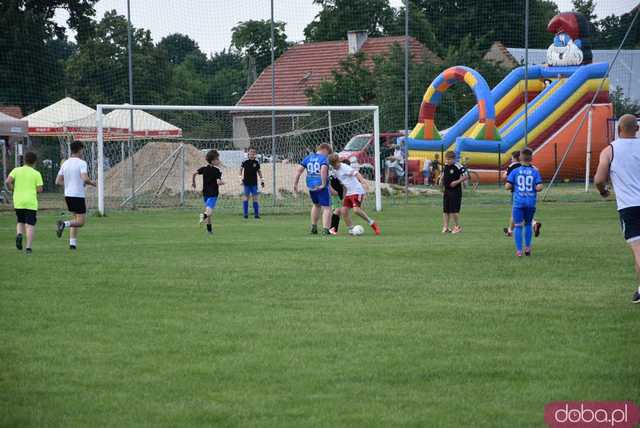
(153,323)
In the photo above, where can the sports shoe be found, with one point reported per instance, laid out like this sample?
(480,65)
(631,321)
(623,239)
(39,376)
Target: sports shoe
(636,297)
(314,229)
(333,231)
(72,247)
(376,228)
(19,242)
(245,217)
(507,232)
(203,217)
(536,229)
(518,253)
(326,232)
(446,230)
(527,252)
(456,229)
(59,228)
(28,251)
(257,217)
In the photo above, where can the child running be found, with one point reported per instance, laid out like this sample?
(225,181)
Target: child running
(451,179)
(211,180)
(525,182)
(356,188)
(249,173)
(26,183)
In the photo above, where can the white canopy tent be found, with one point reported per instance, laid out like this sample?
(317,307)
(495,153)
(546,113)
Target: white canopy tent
(144,124)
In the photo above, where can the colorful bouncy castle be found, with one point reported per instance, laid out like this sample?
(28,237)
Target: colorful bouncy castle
(558,97)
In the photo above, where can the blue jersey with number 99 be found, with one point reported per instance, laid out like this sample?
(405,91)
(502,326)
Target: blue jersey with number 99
(313,164)
(524,181)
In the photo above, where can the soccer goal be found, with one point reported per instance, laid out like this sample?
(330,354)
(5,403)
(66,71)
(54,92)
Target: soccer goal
(147,154)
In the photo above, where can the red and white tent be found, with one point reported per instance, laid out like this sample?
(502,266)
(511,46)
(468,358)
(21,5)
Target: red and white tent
(144,124)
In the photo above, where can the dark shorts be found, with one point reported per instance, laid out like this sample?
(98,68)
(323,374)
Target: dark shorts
(523,214)
(321,197)
(250,189)
(26,216)
(630,223)
(76,205)
(451,202)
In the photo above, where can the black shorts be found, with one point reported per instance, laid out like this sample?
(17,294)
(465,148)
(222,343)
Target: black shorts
(451,202)
(26,216)
(76,205)
(630,223)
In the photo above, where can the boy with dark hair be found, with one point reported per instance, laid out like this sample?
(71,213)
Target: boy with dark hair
(525,182)
(211,180)
(317,167)
(515,163)
(249,173)
(451,179)
(73,175)
(26,183)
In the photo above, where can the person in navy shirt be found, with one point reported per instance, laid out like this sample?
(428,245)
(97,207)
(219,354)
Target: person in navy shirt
(525,182)
(316,166)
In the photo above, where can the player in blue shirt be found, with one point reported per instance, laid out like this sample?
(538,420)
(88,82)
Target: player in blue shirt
(525,182)
(317,167)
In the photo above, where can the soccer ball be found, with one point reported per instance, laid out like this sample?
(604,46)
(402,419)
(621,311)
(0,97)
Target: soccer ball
(357,230)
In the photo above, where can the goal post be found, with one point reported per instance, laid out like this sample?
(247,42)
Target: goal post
(150,166)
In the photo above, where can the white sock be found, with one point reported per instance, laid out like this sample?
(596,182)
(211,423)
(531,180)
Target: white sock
(67,224)
(73,242)
(370,221)
(638,289)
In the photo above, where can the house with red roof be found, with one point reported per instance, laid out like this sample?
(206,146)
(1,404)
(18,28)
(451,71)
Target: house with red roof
(305,65)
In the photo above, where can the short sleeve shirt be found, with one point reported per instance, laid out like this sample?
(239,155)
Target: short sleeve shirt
(25,189)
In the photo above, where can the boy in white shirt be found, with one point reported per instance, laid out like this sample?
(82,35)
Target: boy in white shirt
(356,188)
(73,175)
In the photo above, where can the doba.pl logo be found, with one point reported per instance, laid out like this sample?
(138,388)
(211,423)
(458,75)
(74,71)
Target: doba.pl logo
(592,414)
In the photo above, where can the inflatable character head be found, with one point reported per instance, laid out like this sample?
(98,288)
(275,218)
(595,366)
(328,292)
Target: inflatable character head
(571,43)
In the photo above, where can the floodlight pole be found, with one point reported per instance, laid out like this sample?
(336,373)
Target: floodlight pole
(130,60)
(273,112)
(405,149)
(526,72)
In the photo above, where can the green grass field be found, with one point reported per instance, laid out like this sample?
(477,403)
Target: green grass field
(152,323)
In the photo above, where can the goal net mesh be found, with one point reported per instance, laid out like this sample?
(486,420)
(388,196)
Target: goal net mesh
(152,166)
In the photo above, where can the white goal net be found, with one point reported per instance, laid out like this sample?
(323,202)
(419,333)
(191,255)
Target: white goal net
(145,155)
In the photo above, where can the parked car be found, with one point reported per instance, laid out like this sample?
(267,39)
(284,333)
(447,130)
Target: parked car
(360,151)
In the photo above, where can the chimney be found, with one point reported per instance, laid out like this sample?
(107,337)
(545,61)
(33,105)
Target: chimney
(356,39)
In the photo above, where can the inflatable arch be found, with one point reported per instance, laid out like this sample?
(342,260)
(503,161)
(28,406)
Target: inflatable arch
(487,130)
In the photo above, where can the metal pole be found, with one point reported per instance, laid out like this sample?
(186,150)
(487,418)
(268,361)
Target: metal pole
(183,169)
(100,160)
(526,73)
(130,60)
(4,162)
(273,103)
(376,153)
(405,148)
(587,169)
(499,163)
(330,129)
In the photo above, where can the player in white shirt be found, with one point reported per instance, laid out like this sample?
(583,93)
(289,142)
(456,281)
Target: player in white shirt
(621,161)
(356,188)
(73,175)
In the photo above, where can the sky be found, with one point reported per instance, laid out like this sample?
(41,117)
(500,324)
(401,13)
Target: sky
(209,22)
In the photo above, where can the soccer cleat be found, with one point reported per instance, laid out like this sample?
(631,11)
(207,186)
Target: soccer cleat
(507,232)
(518,253)
(446,230)
(326,232)
(245,217)
(257,217)
(203,217)
(527,252)
(28,251)
(636,297)
(333,231)
(314,229)
(536,229)
(72,247)
(59,228)
(456,229)
(376,228)
(19,242)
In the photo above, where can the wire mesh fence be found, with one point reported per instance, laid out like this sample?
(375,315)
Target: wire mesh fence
(60,59)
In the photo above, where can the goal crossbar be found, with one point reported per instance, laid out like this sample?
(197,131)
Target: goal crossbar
(101,108)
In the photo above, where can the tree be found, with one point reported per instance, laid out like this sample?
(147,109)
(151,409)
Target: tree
(419,26)
(33,46)
(623,105)
(253,39)
(98,72)
(586,8)
(178,46)
(337,17)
